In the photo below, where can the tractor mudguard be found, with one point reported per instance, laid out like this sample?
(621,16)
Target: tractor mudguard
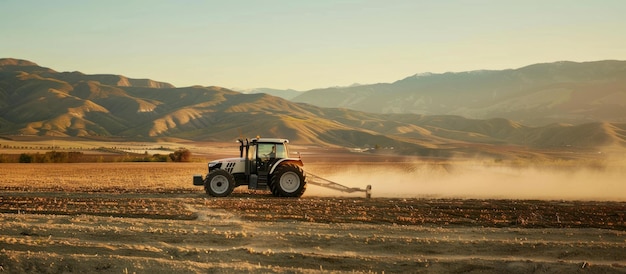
(285,160)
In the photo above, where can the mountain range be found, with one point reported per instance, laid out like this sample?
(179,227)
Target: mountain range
(539,94)
(36,100)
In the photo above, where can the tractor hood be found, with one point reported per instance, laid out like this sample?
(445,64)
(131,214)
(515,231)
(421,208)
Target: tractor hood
(228,164)
(225,160)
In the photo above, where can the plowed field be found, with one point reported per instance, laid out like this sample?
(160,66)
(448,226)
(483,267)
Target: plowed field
(125,218)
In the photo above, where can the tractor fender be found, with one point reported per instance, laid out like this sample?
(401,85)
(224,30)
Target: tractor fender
(286,160)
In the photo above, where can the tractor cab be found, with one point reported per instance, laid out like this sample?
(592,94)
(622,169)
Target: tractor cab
(262,155)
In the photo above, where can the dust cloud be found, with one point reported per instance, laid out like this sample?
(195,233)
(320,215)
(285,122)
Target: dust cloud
(476,180)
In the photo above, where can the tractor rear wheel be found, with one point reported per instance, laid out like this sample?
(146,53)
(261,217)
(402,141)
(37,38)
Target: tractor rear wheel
(288,180)
(219,183)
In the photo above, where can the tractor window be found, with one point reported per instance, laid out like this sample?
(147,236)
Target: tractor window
(280,151)
(266,151)
(271,151)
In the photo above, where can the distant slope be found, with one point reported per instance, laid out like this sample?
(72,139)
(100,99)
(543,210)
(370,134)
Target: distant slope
(39,101)
(282,93)
(536,95)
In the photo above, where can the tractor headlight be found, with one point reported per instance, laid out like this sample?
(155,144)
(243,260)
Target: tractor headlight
(214,165)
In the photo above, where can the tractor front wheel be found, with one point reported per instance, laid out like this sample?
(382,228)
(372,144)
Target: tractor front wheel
(219,183)
(288,180)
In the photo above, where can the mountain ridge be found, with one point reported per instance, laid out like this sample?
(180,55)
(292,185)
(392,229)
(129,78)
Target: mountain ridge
(41,101)
(537,94)
(16,65)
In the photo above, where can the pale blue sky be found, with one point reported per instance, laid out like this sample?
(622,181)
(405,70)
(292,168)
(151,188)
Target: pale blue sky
(306,44)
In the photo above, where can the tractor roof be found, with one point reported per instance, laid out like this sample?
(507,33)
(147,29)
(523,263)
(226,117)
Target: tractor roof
(270,140)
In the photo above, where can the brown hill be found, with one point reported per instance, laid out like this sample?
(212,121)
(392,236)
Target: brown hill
(39,101)
(8,62)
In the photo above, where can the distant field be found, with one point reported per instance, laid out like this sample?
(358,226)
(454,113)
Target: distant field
(101,177)
(106,151)
(507,154)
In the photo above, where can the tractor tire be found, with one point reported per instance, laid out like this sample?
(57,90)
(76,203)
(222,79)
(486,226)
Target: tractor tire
(288,180)
(219,183)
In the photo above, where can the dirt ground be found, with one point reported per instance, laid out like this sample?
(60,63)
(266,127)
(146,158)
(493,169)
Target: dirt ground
(147,217)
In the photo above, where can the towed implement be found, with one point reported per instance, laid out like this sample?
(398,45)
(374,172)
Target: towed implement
(264,163)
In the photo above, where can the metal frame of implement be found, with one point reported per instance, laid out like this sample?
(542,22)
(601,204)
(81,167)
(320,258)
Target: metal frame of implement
(319,181)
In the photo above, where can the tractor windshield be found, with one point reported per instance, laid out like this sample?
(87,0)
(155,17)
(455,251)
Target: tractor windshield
(271,151)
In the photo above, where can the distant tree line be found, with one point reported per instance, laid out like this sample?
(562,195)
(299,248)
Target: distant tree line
(181,155)
(52,157)
(56,148)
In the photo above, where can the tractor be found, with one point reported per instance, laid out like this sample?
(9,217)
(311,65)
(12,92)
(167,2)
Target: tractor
(263,163)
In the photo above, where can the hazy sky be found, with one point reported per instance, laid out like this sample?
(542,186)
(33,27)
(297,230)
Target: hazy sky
(306,44)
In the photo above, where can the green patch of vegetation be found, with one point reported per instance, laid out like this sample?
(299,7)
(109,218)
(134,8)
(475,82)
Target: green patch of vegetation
(181,155)
(148,158)
(51,157)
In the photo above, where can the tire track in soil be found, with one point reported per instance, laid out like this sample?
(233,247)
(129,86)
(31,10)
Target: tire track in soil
(305,246)
(267,234)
